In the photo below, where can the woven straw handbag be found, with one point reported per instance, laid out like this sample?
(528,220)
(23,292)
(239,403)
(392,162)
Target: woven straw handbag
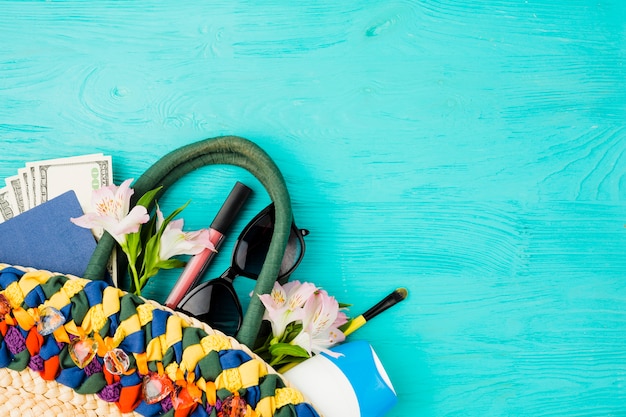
(38,377)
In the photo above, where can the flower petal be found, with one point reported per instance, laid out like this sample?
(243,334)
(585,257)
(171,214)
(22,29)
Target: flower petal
(176,242)
(298,293)
(130,224)
(123,195)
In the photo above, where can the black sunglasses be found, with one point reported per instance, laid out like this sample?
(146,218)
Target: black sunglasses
(215,302)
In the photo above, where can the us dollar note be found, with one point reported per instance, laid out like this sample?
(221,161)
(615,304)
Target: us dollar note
(83,174)
(14,185)
(7,210)
(30,185)
(23,176)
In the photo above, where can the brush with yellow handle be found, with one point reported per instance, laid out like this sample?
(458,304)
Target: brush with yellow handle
(390,300)
(353,324)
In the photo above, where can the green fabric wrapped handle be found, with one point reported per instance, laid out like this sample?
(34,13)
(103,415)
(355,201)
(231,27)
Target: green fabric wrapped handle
(223,150)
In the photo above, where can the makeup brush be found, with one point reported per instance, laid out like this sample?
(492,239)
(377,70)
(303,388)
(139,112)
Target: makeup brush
(390,300)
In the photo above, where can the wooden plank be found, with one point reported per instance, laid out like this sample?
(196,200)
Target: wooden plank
(472,151)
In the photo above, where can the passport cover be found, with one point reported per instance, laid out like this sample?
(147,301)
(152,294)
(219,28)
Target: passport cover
(44,238)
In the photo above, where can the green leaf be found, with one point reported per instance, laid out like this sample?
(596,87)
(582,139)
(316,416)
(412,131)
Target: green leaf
(169,218)
(148,197)
(155,241)
(148,229)
(151,254)
(293,329)
(171,263)
(133,246)
(289,350)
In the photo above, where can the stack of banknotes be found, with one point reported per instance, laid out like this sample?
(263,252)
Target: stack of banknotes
(40,181)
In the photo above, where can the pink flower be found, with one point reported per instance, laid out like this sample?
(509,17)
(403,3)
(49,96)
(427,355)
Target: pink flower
(284,304)
(111,206)
(176,242)
(320,324)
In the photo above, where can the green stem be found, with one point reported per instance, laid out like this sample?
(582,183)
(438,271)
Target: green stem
(133,270)
(277,360)
(143,280)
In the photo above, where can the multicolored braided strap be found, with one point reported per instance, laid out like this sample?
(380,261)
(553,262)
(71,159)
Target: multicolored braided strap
(210,374)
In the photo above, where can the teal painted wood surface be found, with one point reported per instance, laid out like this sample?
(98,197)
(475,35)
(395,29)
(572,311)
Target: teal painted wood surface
(472,151)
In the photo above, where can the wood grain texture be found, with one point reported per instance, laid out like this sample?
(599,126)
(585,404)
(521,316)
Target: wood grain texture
(472,151)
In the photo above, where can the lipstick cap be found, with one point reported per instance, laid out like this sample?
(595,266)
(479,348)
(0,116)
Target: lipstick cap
(231,207)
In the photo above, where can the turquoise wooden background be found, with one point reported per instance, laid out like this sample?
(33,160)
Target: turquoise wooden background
(473,151)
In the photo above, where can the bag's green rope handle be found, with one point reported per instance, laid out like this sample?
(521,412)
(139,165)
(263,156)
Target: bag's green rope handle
(228,150)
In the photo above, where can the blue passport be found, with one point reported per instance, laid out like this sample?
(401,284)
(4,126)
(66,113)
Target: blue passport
(45,238)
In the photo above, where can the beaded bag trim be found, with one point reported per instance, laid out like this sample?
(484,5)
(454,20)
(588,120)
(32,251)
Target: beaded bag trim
(210,374)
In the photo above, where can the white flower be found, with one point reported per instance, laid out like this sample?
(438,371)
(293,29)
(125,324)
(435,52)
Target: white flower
(176,242)
(111,206)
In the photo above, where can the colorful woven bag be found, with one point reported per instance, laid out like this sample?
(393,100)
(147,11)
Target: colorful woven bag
(210,374)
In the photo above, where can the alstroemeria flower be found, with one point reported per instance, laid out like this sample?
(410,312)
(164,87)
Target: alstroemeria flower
(112,214)
(320,324)
(176,242)
(284,304)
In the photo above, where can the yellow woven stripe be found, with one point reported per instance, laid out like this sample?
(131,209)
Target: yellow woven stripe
(14,294)
(170,371)
(32,279)
(282,396)
(173,334)
(266,407)
(111,301)
(191,356)
(94,319)
(201,383)
(251,372)
(215,342)
(286,396)
(245,376)
(58,300)
(16,291)
(156,348)
(74,286)
(229,379)
(72,328)
(144,312)
(24,318)
(127,327)
(62,297)
(174,330)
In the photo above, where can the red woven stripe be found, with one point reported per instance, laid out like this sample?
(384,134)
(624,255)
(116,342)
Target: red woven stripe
(34,341)
(130,398)
(51,369)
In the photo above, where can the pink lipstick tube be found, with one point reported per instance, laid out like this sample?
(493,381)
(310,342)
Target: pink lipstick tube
(197,265)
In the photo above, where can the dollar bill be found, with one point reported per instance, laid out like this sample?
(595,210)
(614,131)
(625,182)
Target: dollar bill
(7,206)
(23,176)
(83,174)
(14,186)
(30,180)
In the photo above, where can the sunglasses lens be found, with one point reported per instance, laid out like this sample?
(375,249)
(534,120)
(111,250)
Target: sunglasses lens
(253,246)
(214,303)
